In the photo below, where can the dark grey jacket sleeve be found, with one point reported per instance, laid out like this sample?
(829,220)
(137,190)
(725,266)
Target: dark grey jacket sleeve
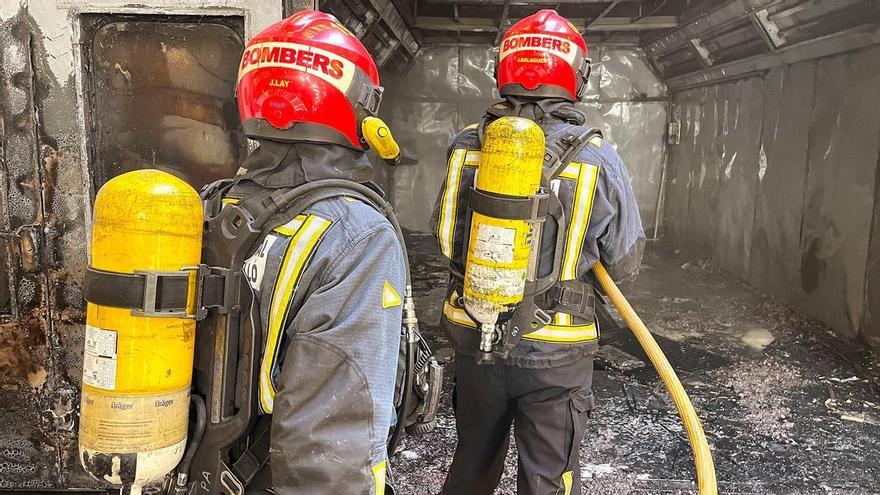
(615,221)
(333,407)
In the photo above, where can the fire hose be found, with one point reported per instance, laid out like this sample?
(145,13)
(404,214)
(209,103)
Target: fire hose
(702,454)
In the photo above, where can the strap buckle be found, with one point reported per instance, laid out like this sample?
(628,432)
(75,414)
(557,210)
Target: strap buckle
(216,288)
(578,300)
(372,99)
(543,317)
(569,139)
(229,483)
(539,206)
(571,297)
(551,159)
(151,289)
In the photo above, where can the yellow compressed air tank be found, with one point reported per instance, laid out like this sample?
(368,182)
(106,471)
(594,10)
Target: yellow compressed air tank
(137,370)
(511,162)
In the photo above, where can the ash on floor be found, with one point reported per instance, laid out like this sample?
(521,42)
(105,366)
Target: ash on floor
(788,406)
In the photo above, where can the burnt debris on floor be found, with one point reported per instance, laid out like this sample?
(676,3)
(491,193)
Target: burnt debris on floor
(789,407)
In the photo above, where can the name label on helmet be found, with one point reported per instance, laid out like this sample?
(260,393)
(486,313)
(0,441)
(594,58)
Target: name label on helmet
(553,45)
(320,63)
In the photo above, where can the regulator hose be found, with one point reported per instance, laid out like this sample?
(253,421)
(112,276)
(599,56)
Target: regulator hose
(702,455)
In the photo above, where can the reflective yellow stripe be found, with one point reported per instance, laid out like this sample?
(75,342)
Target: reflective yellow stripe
(562,333)
(562,319)
(580,220)
(472,158)
(557,332)
(571,171)
(459,159)
(229,200)
(306,236)
(448,204)
(596,141)
(457,315)
(566,482)
(379,476)
(290,227)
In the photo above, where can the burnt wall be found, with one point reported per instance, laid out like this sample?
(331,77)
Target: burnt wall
(775,178)
(47,179)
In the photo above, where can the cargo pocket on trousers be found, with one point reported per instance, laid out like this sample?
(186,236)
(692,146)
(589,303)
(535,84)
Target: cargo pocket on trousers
(582,402)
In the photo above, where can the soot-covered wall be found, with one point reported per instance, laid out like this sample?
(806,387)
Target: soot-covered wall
(448,88)
(47,179)
(775,178)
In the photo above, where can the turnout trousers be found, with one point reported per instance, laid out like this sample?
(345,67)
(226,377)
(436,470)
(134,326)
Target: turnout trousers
(548,409)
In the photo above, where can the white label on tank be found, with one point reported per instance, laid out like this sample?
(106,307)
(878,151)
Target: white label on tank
(99,359)
(494,243)
(255,266)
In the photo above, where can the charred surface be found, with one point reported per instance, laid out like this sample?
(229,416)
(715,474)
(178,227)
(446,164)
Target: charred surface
(112,466)
(37,410)
(159,95)
(789,406)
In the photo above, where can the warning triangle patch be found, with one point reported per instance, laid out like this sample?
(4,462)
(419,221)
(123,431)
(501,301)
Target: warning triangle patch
(390,297)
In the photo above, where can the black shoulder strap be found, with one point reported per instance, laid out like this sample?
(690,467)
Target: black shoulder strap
(562,150)
(261,207)
(212,196)
(212,188)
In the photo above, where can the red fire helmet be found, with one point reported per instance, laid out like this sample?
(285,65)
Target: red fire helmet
(543,55)
(307,78)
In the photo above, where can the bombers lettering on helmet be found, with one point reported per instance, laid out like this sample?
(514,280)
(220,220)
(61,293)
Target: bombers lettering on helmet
(290,55)
(552,62)
(293,56)
(546,42)
(553,45)
(307,79)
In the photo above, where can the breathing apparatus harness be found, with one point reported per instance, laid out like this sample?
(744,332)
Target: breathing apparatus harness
(547,293)
(228,445)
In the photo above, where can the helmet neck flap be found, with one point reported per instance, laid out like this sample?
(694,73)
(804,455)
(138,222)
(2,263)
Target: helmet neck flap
(277,164)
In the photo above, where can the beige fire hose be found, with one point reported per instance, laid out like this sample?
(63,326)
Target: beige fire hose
(702,455)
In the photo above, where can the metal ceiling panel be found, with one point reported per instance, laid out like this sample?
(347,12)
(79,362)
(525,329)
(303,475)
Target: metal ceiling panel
(480,24)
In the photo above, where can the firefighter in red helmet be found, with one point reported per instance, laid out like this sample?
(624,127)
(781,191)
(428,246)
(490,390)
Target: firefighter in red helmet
(328,273)
(540,381)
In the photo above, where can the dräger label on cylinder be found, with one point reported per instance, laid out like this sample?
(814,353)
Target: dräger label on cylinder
(99,358)
(127,424)
(494,244)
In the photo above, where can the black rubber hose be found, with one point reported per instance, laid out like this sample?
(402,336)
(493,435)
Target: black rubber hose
(198,404)
(405,399)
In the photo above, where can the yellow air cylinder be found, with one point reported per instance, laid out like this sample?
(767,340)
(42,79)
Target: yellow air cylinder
(498,253)
(137,370)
